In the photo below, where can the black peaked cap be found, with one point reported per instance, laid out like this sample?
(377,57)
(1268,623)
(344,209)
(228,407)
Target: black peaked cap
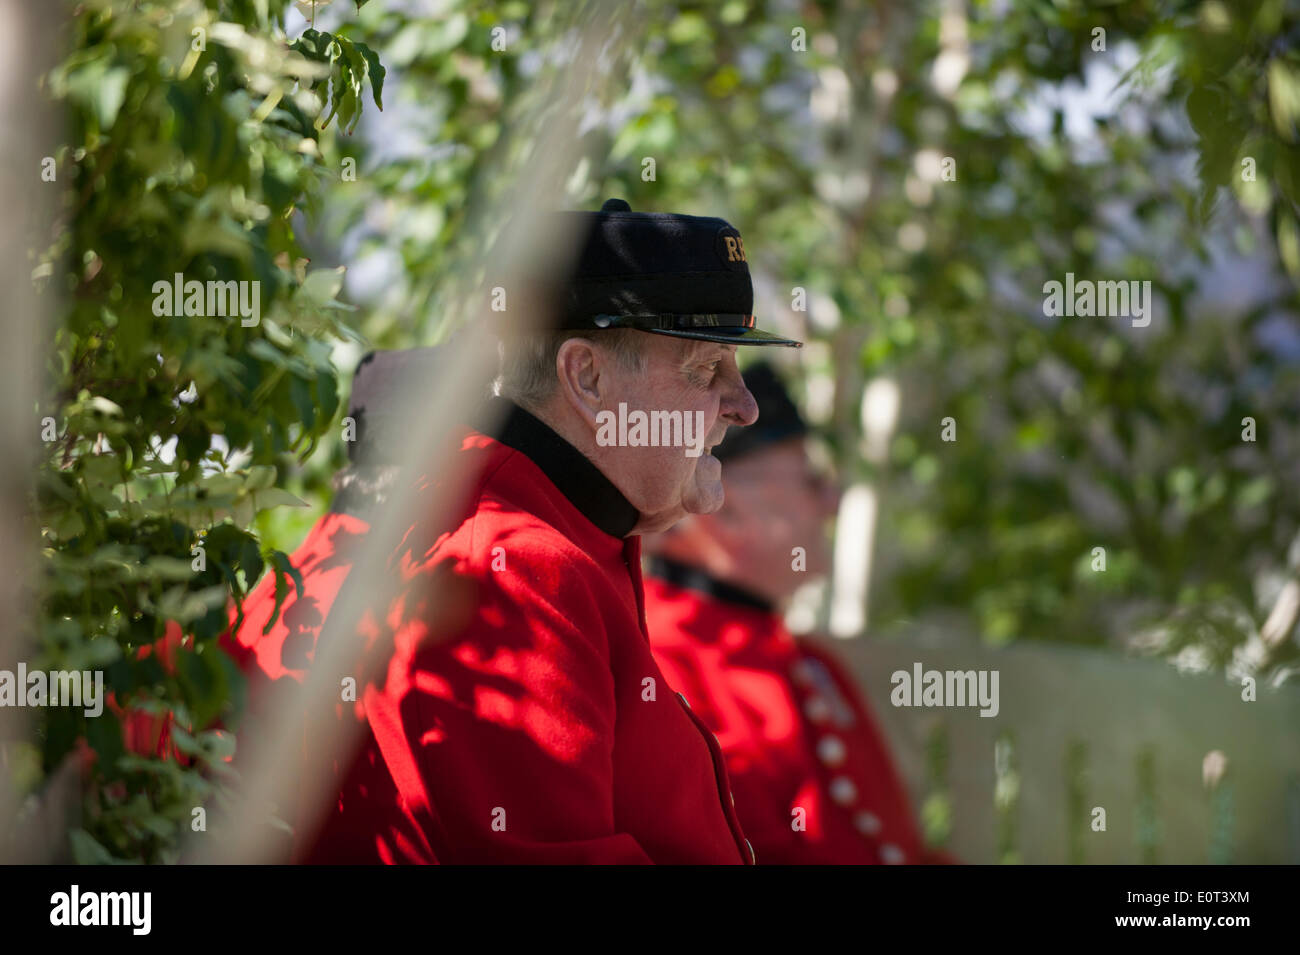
(678,275)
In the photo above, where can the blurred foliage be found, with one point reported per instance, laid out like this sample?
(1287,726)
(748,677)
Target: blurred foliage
(1141,140)
(1222,824)
(1147,816)
(1079,818)
(192,133)
(1006,799)
(936,808)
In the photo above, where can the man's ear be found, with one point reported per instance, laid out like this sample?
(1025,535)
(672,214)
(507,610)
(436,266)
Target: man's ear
(578,367)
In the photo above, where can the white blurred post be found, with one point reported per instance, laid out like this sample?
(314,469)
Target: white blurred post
(27,45)
(855,528)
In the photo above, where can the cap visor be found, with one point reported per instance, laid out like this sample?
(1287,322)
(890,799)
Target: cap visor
(727,335)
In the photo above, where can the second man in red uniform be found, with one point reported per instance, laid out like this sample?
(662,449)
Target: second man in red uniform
(811,771)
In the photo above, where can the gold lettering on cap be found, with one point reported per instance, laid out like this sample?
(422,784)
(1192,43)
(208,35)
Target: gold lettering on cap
(735,248)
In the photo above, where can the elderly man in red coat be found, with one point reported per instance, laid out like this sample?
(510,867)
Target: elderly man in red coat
(810,770)
(537,727)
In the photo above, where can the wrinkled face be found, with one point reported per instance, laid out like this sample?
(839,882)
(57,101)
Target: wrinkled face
(776,502)
(679,477)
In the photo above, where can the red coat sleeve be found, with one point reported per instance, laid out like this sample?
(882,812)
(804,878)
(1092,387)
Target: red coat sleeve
(530,682)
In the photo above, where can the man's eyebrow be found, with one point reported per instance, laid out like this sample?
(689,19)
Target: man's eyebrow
(703,351)
(710,350)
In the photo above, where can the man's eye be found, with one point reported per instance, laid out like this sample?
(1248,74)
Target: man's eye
(708,371)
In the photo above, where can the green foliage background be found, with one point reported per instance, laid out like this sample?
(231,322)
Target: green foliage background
(227,163)
(193,134)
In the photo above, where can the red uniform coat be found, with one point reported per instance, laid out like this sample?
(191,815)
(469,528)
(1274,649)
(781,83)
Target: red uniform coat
(796,733)
(537,729)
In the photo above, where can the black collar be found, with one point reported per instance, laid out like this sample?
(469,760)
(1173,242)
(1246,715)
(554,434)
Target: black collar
(692,578)
(567,468)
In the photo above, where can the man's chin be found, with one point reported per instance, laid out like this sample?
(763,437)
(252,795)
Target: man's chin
(703,495)
(705,500)
(707,474)
(706,494)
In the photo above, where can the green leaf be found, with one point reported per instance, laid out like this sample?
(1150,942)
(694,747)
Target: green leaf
(170,568)
(1288,243)
(260,476)
(102,90)
(341,80)
(261,348)
(301,396)
(327,395)
(1284,99)
(276,497)
(204,680)
(284,571)
(376,73)
(86,851)
(104,735)
(321,286)
(102,469)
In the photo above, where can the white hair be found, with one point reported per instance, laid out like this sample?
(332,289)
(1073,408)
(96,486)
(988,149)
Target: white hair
(528,375)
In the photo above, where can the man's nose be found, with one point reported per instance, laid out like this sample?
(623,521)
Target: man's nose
(739,406)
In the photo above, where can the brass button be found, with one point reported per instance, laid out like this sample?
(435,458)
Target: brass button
(868,823)
(843,791)
(831,750)
(817,709)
